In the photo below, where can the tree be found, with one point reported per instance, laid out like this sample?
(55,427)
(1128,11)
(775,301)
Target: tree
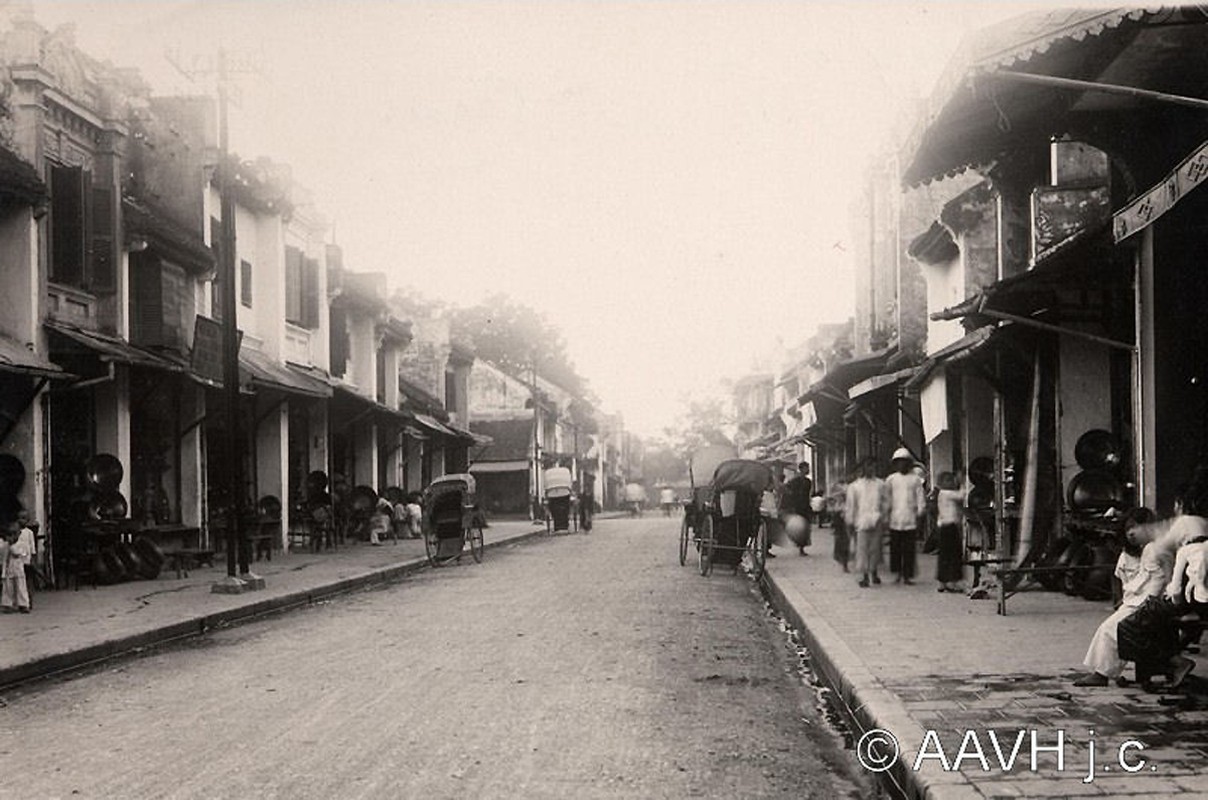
(517,338)
(704,422)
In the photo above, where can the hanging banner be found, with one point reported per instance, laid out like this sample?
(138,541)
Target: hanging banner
(1141,213)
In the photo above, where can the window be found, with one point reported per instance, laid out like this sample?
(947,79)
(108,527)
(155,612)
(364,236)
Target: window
(81,230)
(245,284)
(301,288)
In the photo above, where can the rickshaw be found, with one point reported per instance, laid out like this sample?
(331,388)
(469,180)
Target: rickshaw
(700,467)
(451,518)
(733,523)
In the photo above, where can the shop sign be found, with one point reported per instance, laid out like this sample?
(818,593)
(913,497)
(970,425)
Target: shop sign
(207,348)
(1140,213)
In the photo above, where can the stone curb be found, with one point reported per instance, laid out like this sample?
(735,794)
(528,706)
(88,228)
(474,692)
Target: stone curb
(866,703)
(50,665)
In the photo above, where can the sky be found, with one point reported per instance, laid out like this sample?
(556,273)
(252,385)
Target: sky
(670,183)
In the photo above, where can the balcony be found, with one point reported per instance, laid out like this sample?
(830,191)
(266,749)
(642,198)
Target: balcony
(71,305)
(298,347)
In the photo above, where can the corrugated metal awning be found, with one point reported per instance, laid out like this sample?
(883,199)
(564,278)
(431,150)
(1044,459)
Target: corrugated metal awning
(16,358)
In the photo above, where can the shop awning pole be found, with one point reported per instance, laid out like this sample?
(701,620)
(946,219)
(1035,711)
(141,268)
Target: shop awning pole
(1106,88)
(1046,326)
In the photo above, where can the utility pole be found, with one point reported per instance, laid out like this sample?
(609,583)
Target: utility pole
(236,551)
(536,439)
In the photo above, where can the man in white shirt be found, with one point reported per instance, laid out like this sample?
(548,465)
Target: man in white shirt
(865,514)
(907,505)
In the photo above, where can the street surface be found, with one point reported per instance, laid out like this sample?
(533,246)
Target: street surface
(577,666)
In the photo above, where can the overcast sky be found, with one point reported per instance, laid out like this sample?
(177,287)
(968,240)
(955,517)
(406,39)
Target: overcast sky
(668,182)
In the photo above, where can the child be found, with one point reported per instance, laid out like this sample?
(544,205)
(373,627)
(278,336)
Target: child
(950,508)
(415,515)
(14,596)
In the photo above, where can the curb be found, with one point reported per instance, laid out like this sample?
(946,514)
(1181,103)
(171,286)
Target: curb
(865,702)
(48,666)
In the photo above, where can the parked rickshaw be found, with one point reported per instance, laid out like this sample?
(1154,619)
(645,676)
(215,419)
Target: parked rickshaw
(452,518)
(700,469)
(733,523)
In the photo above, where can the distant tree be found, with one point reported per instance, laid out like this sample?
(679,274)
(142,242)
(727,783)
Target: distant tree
(662,461)
(412,301)
(516,337)
(703,422)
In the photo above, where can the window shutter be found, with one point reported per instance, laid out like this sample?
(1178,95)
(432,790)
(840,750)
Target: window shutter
(146,321)
(310,294)
(216,284)
(103,259)
(67,225)
(245,283)
(293,285)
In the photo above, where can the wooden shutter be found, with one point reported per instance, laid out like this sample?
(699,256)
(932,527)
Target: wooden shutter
(67,225)
(293,285)
(146,318)
(102,242)
(216,285)
(310,293)
(245,283)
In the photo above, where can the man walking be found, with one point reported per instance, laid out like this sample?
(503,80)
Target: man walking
(865,515)
(907,507)
(796,501)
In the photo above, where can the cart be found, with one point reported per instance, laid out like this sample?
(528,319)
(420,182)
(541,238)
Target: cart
(452,518)
(733,524)
(573,518)
(701,466)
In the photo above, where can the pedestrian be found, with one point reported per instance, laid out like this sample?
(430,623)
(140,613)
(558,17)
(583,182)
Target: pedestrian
(415,514)
(949,513)
(558,489)
(907,510)
(14,594)
(667,500)
(836,501)
(795,502)
(865,513)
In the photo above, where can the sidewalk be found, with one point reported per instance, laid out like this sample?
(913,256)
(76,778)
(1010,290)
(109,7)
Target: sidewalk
(908,660)
(70,628)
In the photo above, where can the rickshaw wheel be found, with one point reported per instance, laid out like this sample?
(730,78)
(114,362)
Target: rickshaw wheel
(704,553)
(432,547)
(474,534)
(683,550)
(759,550)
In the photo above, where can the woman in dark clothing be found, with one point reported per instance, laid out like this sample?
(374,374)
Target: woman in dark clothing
(950,511)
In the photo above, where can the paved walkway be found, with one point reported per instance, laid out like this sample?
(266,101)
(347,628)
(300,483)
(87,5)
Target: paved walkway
(908,659)
(69,628)
(905,659)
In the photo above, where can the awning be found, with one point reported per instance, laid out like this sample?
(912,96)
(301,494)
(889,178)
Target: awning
(980,109)
(469,435)
(111,348)
(479,467)
(841,376)
(962,348)
(16,358)
(434,425)
(170,239)
(876,382)
(265,371)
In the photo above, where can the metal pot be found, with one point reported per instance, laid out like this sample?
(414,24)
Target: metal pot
(1095,491)
(1097,450)
(104,471)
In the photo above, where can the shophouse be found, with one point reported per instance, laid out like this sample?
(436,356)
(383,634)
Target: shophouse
(1081,289)
(757,426)
(369,429)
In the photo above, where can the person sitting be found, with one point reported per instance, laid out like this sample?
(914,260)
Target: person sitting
(1188,587)
(1147,578)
